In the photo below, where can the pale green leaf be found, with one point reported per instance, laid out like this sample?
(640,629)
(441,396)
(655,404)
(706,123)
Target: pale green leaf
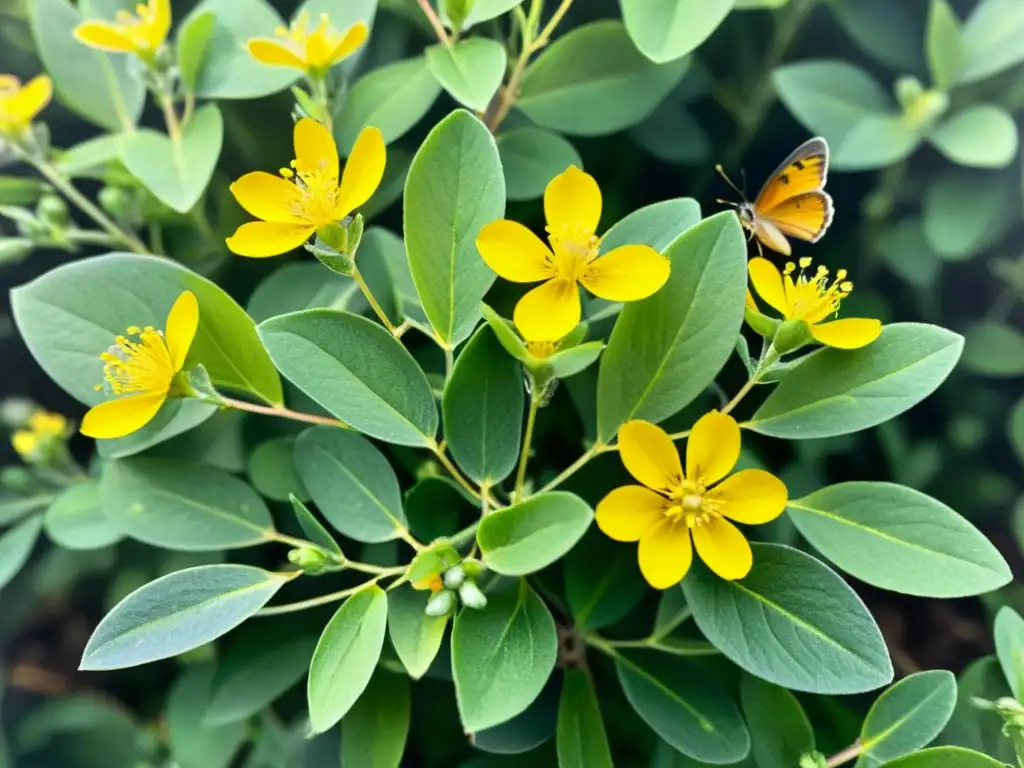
(664,30)
(194,743)
(16,544)
(77,519)
(470,70)
(991,39)
(979,136)
(581,740)
(377,726)
(994,349)
(416,636)
(1009,632)
(945,48)
(780,732)
(532,157)
(946,757)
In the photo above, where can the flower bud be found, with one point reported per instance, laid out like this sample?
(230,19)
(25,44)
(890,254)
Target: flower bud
(474,568)
(308,559)
(454,577)
(117,202)
(457,12)
(53,210)
(471,595)
(16,478)
(440,603)
(792,334)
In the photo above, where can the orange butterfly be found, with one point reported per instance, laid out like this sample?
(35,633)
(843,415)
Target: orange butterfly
(792,202)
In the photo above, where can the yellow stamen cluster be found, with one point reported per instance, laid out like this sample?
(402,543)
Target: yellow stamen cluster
(138,362)
(572,254)
(318,188)
(814,298)
(542,349)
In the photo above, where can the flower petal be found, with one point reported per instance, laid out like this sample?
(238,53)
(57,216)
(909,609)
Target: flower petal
(767,282)
(32,99)
(627,513)
(848,333)
(363,171)
(354,37)
(259,239)
(121,416)
(182,322)
(514,252)
(549,311)
(751,496)
(713,448)
(572,204)
(315,150)
(724,548)
(161,22)
(751,304)
(104,36)
(627,273)
(268,197)
(317,52)
(665,553)
(267,50)
(650,456)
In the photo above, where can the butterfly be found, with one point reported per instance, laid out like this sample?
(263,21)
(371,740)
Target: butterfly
(793,201)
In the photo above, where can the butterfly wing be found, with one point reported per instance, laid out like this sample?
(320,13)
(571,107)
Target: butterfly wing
(805,216)
(805,170)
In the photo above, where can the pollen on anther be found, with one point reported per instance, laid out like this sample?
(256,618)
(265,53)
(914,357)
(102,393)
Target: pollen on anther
(805,262)
(790,268)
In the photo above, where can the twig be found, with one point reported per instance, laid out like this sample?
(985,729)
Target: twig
(435,21)
(845,755)
(280,411)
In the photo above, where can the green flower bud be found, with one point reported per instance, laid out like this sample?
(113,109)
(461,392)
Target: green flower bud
(813,760)
(471,595)
(474,568)
(16,478)
(454,577)
(308,559)
(763,325)
(440,603)
(117,202)
(792,334)
(53,210)
(908,89)
(457,12)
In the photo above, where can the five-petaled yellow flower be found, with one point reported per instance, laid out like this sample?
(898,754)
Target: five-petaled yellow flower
(308,197)
(812,299)
(141,34)
(41,428)
(673,505)
(312,52)
(19,104)
(572,207)
(139,370)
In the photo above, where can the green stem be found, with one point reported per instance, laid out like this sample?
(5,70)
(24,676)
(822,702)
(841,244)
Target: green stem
(762,367)
(524,455)
(368,294)
(277,410)
(449,361)
(846,755)
(313,602)
(594,450)
(452,469)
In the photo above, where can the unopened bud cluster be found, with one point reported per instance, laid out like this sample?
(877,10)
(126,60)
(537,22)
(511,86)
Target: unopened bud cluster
(452,581)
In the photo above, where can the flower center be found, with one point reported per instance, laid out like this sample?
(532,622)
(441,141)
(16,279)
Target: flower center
(140,28)
(542,349)
(689,504)
(572,255)
(814,298)
(318,192)
(137,363)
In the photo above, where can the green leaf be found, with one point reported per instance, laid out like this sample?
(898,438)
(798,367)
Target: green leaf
(581,740)
(178,612)
(1009,632)
(657,225)
(176,172)
(194,743)
(907,717)
(532,534)
(75,727)
(182,505)
(356,370)
(392,98)
(1015,429)
(483,409)
(193,40)
(593,81)
(98,86)
(671,133)
(881,29)
(16,190)
(16,545)
(945,49)
(416,636)
(974,728)
(602,582)
(90,158)
(946,757)
(470,70)
(455,187)
(571,361)
(899,539)
(377,726)
(484,10)
(791,621)
(87,303)
(435,505)
(979,136)
(351,483)
(176,416)
(780,732)
(833,391)
(272,471)
(313,529)
(665,30)
(991,39)
(683,705)
(994,349)
(531,157)
(227,71)
(346,656)
(77,519)
(391,250)
(959,227)
(666,349)
(301,285)
(501,656)
(256,668)
(529,729)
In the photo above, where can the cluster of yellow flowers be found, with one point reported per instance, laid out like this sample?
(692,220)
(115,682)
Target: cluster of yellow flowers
(41,429)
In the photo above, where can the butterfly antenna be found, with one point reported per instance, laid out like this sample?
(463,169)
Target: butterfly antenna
(721,172)
(730,203)
(743,179)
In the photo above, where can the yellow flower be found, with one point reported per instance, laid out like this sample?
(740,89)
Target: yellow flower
(309,197)
(572,207)
(19,104)
(42,427)
(672,505)
(141,34)
(434,583)
(812,300)
(312,52)
(139,370)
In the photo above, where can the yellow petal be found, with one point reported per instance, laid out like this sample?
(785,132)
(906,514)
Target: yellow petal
(354,37)
(514,252)
(723,548)
(161,23)
(182,322)
(713,448)
(751,496)
(751,304)
(104,36)
(665,554)
(267,50)
(848,333)
(628,273)
(650,455)
(627,513)
(9,83)
(363,171)
(32,99)
(549,311)
(767,282)
(259,239)
(269,197)
(572,205)
(315,150)
(121,416)
(317,52)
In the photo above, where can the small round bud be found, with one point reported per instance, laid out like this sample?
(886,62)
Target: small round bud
(114,201)
(908,90)
(53,210)
(16,478)
(454,577)
(474,568)
(471,596)
(440,603)
(308,559)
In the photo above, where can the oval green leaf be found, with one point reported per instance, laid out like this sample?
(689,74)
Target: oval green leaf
(665,30)
(16,545)
(991,39)
(1009,632)
(316,532)
(77,519)
(780,733)
(416,636)
(959,227)
(177,613)
(994,349)
(194,743)
(470,70)
(791,621)
(980,136)
(944,46)
(531,157)
(946,757)
(580,740)
(657,225)
(272,472)
(377,726)
(602,582)
(300,285)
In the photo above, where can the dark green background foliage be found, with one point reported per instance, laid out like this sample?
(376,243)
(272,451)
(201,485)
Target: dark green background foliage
(929,222)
